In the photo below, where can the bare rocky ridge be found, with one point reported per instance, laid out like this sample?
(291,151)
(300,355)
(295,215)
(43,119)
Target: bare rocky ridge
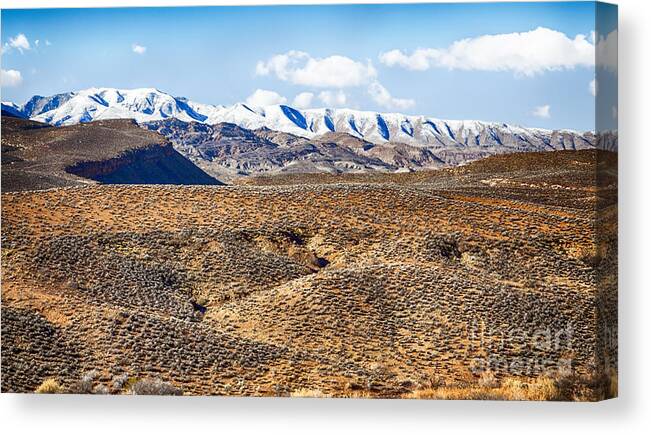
(228,151)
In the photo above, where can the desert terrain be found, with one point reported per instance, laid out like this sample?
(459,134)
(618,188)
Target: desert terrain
(492,280)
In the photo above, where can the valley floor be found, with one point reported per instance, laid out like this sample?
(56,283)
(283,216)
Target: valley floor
(494,280)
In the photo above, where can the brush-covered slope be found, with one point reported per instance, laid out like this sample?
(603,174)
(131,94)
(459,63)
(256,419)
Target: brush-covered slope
(380,285)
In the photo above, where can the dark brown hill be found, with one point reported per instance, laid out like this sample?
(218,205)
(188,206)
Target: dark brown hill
(36,156)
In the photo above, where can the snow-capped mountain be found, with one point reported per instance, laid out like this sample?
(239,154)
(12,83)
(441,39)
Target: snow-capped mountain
(92,104)
(149,104)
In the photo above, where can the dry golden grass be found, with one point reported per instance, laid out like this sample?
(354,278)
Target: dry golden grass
(308,392)
(49,386)
(543,388)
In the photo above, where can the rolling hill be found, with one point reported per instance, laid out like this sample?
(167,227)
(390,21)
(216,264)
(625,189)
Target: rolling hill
(38,156)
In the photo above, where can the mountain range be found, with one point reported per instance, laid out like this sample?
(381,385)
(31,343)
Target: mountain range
(239,140)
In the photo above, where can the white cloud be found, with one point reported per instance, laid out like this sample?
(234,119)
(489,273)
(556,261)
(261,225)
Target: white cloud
(606,51)
(36,42)
(138,49)
(303,100)
(420,60)
(19,42)
(262,97)
(333,99)
(47,42)
(381,96)
(10,78)
(542,111)
(300,68)
(525,53)
(593,87)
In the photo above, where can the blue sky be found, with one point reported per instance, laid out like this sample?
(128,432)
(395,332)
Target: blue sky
(358,56)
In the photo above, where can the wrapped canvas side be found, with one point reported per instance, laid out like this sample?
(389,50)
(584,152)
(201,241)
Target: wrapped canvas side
(605,256)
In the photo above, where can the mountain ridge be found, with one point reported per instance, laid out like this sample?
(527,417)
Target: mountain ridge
(229,142)
(151,104)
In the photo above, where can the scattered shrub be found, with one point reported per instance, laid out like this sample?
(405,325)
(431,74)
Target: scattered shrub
(120,381)
(154,387)
(101,389)
(49,386)
(85,384)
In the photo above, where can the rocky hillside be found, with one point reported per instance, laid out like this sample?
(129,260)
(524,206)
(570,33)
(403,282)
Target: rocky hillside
(228,151)
(38,156)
